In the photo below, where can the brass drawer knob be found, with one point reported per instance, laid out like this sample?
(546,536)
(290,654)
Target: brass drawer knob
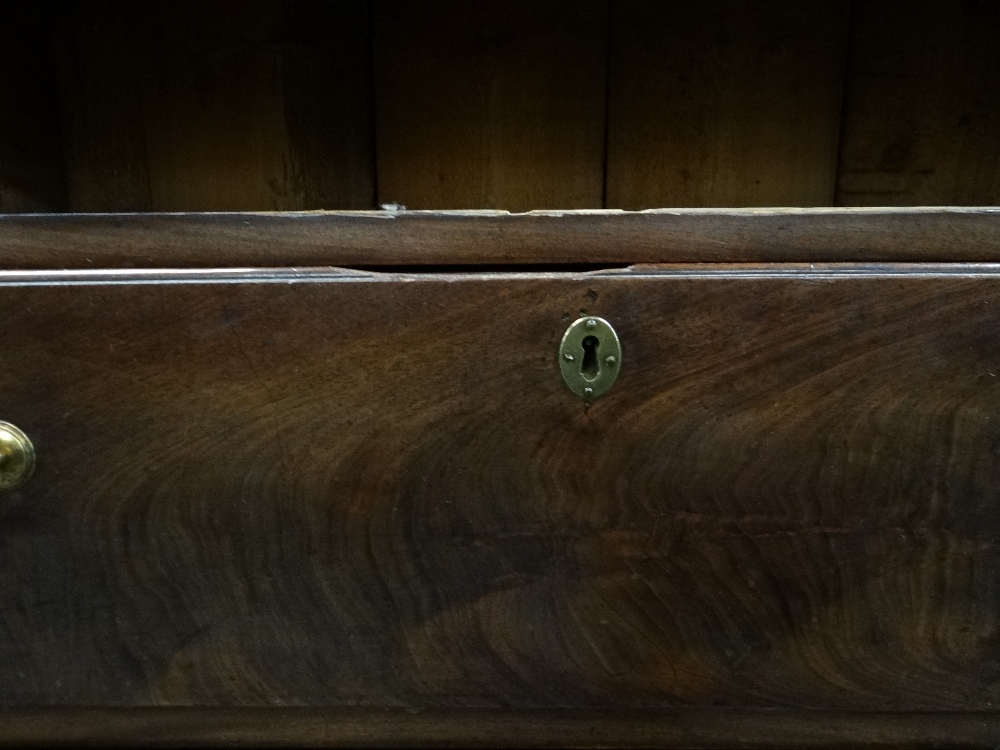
(17,457)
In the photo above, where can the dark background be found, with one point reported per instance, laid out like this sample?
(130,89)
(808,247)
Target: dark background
(513,104)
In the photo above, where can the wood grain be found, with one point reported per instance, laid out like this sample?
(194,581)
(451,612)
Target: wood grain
(498,105)
(923,108)
(725,103)
(218,105)
(31,157)
(217,137)
(337,489)
(497,239)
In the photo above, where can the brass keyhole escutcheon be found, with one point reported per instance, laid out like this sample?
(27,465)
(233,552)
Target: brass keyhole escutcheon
(17,457)
(590,357)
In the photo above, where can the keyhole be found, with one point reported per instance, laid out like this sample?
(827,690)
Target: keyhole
(590,368)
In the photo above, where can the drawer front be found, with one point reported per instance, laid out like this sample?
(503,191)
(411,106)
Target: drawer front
(375,490)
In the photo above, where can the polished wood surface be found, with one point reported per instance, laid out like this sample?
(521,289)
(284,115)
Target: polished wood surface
(496,239)
(340,489)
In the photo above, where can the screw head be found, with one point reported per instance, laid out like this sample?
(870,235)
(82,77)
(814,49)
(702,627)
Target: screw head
(588,391)
(591,323)
(568,357)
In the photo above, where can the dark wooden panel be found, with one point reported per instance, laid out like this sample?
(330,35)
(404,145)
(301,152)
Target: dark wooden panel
(31,160)
(104,67)
(328,100)
(282,727)
(491,105)
(725,103)
(922,115)
(379,238)
(260,105)
(322,489)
